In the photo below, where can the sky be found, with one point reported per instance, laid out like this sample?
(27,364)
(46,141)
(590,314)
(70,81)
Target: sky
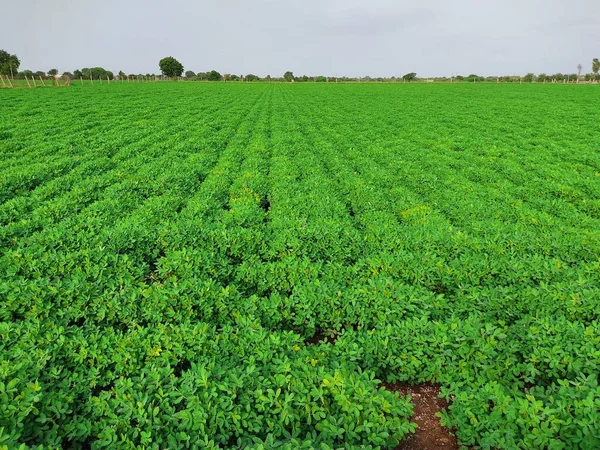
(312,37)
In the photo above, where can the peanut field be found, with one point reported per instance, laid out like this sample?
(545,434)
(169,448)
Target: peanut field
(242,265)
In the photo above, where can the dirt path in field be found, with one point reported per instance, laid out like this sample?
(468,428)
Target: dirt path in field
(430,435)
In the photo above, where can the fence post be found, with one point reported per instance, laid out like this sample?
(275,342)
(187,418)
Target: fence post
(2,79)
(42,80)
(33,79)
(27,81)
(9,82)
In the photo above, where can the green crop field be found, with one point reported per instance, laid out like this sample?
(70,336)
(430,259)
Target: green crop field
(197,265)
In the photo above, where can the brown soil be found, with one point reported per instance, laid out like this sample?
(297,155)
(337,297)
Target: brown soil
(430,434)
(320,336)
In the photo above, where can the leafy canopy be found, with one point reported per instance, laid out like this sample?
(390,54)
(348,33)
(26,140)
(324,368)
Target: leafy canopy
(595,66)
(94,73)
(8,63)
(170,67)
(213,75)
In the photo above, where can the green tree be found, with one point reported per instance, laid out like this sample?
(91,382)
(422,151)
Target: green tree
(595,66)
(409,76)
(288,76)
(213,75)
(122,74)
(190,74)
(170,67)
(529,77)
(474,78)
(9,64)
(52,72)
(252,77)
(94,73)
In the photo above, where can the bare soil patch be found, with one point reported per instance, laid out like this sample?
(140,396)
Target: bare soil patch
(320,336)
(430,434)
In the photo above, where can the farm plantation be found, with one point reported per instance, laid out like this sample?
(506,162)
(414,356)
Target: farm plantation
(169,251)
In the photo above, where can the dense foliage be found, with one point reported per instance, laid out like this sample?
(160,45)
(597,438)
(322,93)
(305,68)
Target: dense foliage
(9,64)
(163,264)
(94,73)
(213,75)
(170,67)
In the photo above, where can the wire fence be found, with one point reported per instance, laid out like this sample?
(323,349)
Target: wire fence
(39,81)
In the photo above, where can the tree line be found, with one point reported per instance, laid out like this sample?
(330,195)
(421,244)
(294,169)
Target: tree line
(172,68)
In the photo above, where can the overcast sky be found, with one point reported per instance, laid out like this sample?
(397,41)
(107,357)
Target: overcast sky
(313,37)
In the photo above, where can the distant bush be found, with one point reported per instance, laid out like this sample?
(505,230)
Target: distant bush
(474,78)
